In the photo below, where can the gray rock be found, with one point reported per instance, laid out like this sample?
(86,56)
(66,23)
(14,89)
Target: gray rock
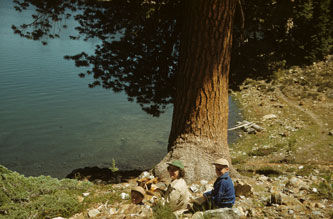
(221,213)
(243,189)
(203,182)
(93,213)
(269,116)
(263,178)
(124,196)
(297,183)
(194,188)
(112,211)
(208,187)
(317,213)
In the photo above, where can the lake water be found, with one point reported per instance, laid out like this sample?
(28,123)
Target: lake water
(51,122)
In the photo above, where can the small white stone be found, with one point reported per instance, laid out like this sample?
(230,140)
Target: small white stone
(203,182)
(124,195)
(112,211)
(269,116)
(144,174)
(93,213)
(85,194)
(314,190)
(194,188)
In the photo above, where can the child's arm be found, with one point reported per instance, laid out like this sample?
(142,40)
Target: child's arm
(207,194)
(219,193)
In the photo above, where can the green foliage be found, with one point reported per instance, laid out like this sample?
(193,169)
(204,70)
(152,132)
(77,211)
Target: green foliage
(325,188)
(38,197)
(280,34)
(163,211)
(276,35)
(113,168)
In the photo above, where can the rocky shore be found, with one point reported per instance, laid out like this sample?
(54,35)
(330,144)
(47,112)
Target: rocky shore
(285,151)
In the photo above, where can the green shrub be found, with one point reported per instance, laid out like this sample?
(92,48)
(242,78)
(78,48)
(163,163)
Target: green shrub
(38,197)
(163,211)
(325,188)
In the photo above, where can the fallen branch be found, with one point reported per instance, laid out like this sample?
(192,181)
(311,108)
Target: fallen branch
(241,126)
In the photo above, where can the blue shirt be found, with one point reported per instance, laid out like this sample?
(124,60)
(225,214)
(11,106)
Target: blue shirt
(223,192)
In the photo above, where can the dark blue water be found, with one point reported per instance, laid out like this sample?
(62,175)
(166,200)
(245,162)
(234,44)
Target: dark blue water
(51,122)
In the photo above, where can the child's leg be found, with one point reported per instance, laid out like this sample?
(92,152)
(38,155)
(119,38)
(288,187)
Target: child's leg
(206,205)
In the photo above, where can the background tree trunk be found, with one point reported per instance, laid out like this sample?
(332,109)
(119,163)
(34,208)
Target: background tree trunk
(200,118)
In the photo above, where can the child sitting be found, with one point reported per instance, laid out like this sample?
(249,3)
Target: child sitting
(177,194)
(137,195)
(223,194)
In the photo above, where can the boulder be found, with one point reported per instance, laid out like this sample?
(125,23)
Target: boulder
(243,189)
(221,213)
(297,183)
(269,116)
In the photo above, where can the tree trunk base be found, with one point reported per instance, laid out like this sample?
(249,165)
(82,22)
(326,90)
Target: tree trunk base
(197,156)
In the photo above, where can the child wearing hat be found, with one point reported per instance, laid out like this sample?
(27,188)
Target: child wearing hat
(177,194)
(223,193)
(137,195)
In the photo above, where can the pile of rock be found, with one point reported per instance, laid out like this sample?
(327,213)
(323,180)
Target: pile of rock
(261,196)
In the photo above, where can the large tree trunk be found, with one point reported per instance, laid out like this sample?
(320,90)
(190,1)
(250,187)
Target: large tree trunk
(200,118)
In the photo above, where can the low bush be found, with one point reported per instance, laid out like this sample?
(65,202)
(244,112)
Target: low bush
(39,197)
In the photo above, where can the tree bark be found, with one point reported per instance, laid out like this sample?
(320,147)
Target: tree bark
(200,118)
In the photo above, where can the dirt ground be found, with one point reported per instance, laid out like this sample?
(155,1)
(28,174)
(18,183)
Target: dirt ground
(299,120)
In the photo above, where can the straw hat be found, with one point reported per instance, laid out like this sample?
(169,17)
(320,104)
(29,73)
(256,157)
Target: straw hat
(139,189)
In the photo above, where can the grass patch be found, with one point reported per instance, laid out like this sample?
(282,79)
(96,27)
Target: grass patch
(239,160)
(291,170)
(325,188)
(102,197)
(248,173)
(263,151)
(305,171)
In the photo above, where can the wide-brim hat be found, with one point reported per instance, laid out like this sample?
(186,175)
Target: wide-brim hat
(176,163)
(139,189)
(222,162)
